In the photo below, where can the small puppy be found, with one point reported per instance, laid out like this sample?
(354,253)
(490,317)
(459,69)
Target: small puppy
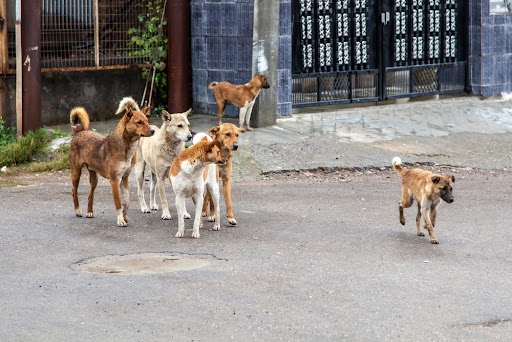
(158,152)
(243,96)
(187,179)
(428,189)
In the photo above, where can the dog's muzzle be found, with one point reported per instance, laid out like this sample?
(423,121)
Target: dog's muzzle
(235,147)
(151,131)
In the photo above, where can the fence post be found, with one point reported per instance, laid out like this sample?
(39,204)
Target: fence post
(265,59)
(179,70)
(96,33)
(31,65)
(4,56)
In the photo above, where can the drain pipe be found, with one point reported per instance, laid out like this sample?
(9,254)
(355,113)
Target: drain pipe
(179,70)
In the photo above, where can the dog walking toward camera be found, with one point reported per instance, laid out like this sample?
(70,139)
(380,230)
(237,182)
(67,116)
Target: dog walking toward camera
(187,178)
(110,156)
(158,152)
(243,96)
(428,189)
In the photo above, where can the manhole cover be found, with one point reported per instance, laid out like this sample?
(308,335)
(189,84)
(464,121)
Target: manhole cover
(145,263)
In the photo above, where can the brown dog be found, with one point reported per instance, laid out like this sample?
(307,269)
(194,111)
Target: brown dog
(243,96)
(428,189)
(227,136)
(111,156)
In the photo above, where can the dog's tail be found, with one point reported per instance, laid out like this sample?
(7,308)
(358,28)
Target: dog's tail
(127,102)
(213,85)
(397,166)
(79,119)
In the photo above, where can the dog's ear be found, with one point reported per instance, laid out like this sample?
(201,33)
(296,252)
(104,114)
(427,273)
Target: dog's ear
(205,139)
(213,131)
(453,178)
(435,179)
(187,112)
(128,112)
(166,116)
(146,110)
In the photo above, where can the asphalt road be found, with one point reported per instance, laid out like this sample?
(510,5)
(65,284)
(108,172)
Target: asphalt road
(314,257)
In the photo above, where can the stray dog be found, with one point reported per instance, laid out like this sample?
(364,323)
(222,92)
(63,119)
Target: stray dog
(242,96)
(187,179)
(227,135)
(428,189)
(110,156)
(158,152)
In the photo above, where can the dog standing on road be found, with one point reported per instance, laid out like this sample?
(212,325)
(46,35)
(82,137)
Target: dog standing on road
(428,189)
(110,156)
(187,178)
(243,96)
(158,152)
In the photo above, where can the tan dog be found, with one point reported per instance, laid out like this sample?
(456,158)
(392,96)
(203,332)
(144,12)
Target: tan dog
(428,189)
(227,135)
(243,96)
(187,178)
(110,156)
(158,152)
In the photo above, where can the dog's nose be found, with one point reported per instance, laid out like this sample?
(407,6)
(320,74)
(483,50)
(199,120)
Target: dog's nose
(450,200)
(189,137)
(151,131)
(235,147)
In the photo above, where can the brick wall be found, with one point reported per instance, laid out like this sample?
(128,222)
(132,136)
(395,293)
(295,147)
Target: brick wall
(490,52)
(222,40)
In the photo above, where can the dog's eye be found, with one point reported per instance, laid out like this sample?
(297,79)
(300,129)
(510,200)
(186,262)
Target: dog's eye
(180,126)
(228,134)
(139,122)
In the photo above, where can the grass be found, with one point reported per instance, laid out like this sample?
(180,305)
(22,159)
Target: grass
(24,150)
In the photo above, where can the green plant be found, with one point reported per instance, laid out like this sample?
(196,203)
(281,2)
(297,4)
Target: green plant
(22,150)
(7,134)
(150,42)
(59,161)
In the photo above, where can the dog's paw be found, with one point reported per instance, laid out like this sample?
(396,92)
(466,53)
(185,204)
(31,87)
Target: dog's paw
(78,213)
(89,214)
(249,128)
(211,218)
(186,216)
(402,221)
(421,234)
(180,234)
(154,207)
(121,222)
(196,235)
(232,221)
(166,215)
(216,226)
(204,214)
(145,210)
(434,242)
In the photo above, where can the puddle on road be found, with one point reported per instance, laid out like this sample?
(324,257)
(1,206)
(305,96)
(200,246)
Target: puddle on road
(144,263)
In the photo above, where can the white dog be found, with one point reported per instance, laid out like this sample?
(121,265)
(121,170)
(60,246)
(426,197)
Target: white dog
(187,175)
(158,152)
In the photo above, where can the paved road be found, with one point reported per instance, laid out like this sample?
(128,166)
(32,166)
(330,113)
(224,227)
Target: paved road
(314,258)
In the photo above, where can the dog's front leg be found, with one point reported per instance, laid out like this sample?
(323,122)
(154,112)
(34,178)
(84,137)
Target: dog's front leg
(248,117)
(114,183)
(152,192)
(198,200)
(166,215)
(125,195)
(180,207)
(226,190)
(213,189)
(241,116)
(418,221)
(139,172)
(425,212)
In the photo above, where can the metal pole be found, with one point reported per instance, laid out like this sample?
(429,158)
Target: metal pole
(179,77)
(4,57)
(19,78)
(31,69)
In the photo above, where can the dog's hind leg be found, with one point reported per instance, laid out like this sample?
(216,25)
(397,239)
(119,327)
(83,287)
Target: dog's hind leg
(248,116)
(242,115)
(152,192)
(221,105)
(405,202)
(76,172)
(226,189)
(93,181)
(198,200)
(418,221)
(139,173)
(425,212)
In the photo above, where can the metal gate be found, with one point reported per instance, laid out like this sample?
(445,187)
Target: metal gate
(368,50)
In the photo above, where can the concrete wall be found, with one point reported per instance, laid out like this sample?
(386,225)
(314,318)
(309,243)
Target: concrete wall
(98,91)
(222,46)
(490,52)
